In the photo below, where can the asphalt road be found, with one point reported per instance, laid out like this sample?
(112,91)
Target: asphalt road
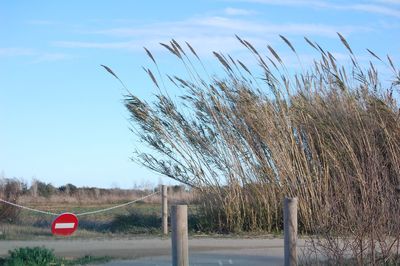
(156,251)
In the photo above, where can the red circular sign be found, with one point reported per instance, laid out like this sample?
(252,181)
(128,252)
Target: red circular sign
(65,224)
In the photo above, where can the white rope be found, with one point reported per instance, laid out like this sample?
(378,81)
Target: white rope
(114,207)
(79,214)
(27,208)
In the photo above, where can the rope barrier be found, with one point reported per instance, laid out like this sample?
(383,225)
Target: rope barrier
(115,207)
(27,208)
(79,214)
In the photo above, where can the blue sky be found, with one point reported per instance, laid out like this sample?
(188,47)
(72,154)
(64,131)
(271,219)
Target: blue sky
(61,115)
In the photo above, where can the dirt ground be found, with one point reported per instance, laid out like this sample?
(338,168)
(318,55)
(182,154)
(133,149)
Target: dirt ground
(156,251)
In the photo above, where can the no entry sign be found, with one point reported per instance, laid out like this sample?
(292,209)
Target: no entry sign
(65,224)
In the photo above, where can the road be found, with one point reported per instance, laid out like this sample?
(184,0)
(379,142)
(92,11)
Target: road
(156,251)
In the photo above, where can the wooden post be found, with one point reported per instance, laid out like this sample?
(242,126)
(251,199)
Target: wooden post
(179,237)
(290,230)
(164,209)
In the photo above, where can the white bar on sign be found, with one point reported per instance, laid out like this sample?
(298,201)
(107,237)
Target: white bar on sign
(64,225)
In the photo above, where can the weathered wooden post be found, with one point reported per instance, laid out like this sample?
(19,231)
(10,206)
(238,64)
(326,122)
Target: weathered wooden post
(164,209)
(179,237)
(290,230)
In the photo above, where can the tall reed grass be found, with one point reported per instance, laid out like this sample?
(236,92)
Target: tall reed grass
(328,135)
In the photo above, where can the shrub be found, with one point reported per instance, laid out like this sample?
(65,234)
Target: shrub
(27,256)
(68,189)
(41,256)
(178,188)
(10,190)
(45,189)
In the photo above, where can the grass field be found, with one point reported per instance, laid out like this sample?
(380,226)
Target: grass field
(35,225)
(141,218)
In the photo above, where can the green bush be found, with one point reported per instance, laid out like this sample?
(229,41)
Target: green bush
(28,256)
(41,256)
(68,189)
(45,189)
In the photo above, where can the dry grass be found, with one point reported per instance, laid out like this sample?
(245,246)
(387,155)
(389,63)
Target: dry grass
(140,218)
(95,196)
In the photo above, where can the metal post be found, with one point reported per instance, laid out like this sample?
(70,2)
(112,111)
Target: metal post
(164,209)
(179,237)
(290,230)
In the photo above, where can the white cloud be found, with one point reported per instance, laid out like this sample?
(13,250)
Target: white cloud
(100,45)
(34,55)
(393,2)
(247,27)
(202,44)
(207,33)
(380,7)
(230,11)
(52,57)
(309,3)
(15,51)
(377,9)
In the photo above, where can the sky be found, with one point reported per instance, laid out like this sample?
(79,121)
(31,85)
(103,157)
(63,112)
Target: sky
(62,116)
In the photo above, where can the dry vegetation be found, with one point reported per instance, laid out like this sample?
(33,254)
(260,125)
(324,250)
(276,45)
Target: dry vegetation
(10,190)
(329,135)
(45,194)
(142,217)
